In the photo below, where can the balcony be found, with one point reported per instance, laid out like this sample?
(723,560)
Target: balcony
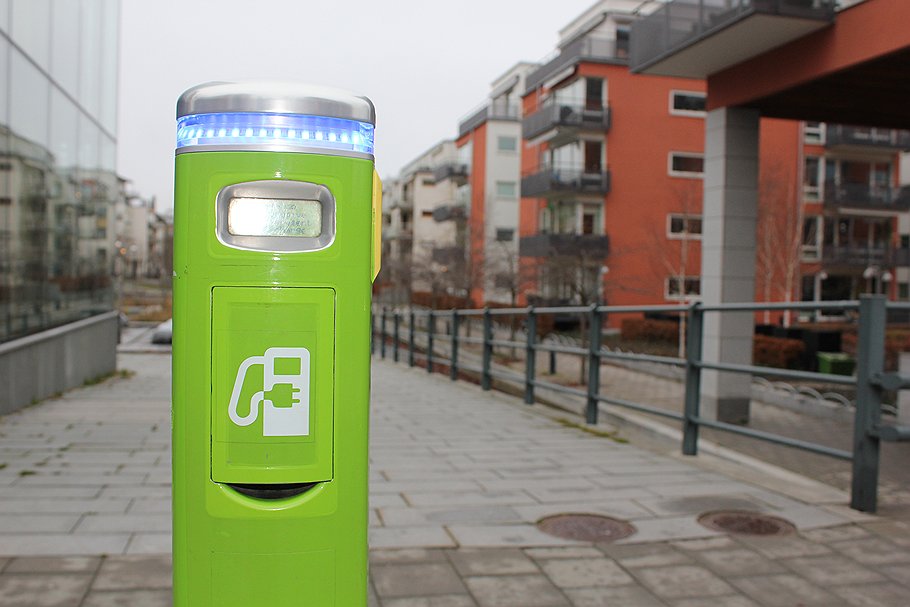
(697,38)
(489,111)
(864,196)
(589,48)
(553,245)
(397,232)
(840,137)
(448,256)
(449,212)
(856,256)
(554,181)
(456,171)
(564,120)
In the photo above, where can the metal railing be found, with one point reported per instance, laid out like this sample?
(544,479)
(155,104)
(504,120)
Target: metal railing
(546,179)
(397,335)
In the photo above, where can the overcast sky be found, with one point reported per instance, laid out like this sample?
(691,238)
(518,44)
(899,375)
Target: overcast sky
(425,64)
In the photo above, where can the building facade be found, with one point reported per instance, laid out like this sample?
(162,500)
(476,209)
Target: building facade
(58,186)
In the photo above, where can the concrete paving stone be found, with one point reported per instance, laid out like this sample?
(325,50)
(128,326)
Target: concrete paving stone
(872,551)
(582,573)
(53,564)
(137,491)
(545,496)
(876,595)
(43,590)
(382,501)
(648,480)
(718,601)
(38,523)
(416,579)
(449,600)
(22,544)
(373,519)
(469,498)
(701,489)
(557,482)
(128,598)
(410,537)
(620,596)
(406,555)
(441,486)
(515,591)
(134,572)
(74,480)
(124,522)
(836,534)
(42,493)
(737,562)
(543,473)
(682,581)
(150,505)
(784,590)
(665,529)
(784,547)
(620,508)
(468,514)
(898,573)
(708,543)
(810,517)
(832,570)
(698,504)
(563,552)
(505,535)
(491,561)
(149,543)
(646,555)
(62,506)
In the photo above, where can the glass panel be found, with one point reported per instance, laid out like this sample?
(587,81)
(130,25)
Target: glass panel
(108,158)
(4,79)
(689,102)
(31,29)
(506,189)
(64,130)
(65,45)
(28,100)
(688,164)
(507,144)
(109,58)
(89,143)
(4,15)
(90,57)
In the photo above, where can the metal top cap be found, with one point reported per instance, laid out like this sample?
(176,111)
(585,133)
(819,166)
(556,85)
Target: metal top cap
(275,98)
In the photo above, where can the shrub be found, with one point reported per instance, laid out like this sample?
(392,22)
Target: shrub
(649,329)
(778,352)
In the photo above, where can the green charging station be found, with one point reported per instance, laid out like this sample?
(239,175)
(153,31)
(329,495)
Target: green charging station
(276,245)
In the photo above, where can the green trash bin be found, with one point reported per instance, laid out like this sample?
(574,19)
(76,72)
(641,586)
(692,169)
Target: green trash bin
(836,363)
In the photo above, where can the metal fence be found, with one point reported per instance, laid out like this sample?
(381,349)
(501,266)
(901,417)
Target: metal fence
(413,334)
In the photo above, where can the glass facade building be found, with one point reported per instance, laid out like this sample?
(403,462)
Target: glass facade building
(58,141)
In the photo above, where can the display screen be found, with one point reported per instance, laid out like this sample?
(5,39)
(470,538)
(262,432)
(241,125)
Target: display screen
(274,217)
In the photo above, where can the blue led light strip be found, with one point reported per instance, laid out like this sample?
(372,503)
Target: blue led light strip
(262,129)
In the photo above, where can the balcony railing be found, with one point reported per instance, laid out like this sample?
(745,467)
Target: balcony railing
(856,256)
(839,135)
(574,116)
(547,180)
(683,23)
(864,196)
(456,171)
(548,245)
(448,256)
(449,212)
(489,111)
(588,48)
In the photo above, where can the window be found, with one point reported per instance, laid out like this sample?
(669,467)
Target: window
(814,132)
(677,287)
(506,189)
(505,234)
(427,182)
(903,290)
(811,238)
(811,177)
(686,165)
(687,103)
(507,144)
(622,41)
(426,213)
(683,226)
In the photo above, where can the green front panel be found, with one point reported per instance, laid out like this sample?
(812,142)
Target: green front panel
(231,550)
(272,352)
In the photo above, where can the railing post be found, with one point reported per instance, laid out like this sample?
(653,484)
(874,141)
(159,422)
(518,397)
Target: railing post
(870,363)
(530,355)
(552,362)
(486,380)
(593,367)
(693,379)
(396,321)
(431,329)
(453,367)
(382,332)
(411,322)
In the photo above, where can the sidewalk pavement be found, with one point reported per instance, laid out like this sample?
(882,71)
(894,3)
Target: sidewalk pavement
(458,479)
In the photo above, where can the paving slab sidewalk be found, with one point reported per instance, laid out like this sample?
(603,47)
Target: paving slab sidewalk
(458,479)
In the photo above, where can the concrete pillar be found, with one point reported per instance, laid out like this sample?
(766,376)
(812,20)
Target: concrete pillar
(728,256)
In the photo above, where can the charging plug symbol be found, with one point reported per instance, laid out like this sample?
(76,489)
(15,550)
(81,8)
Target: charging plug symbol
(283,395)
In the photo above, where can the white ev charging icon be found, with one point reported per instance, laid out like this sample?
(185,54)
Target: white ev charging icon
(285,397)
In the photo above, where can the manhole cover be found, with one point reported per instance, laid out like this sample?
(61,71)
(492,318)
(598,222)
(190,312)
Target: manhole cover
(744,522)
(586,527)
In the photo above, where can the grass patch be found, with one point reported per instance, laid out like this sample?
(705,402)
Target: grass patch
(27,473)
(612,435)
